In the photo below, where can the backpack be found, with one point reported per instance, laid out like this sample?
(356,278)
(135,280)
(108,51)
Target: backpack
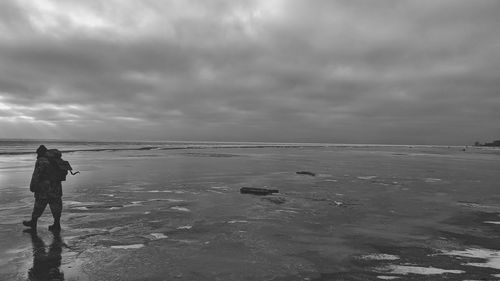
(58,167)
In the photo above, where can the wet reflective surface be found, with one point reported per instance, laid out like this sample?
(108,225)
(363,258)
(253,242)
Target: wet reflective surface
(46,258)
(366,214)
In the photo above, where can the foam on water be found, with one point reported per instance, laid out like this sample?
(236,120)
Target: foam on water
(115,229)
(74,203)
(157,236)
(215,191)
(237,221)
(492,257)
(185,227)
(186,241)
(385,277)
(220,187)
(132,246)
(380,257)
(287,211)
(408,269)
(166,199)
(366,177)
(173,200)
(432,180)
(492,222)
(134,204)
(183,209)
(475,205)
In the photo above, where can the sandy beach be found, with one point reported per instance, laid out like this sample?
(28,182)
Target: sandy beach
(375,124)
(368,213)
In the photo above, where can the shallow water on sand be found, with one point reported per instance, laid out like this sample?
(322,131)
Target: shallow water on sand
(367,213)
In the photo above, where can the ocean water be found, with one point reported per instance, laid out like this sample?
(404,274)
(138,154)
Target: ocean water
(18,147)
(173,210)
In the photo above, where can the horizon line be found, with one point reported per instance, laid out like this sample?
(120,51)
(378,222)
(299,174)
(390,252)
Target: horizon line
(212,141)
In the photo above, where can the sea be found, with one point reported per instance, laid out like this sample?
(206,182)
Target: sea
(174,211)
(21,146)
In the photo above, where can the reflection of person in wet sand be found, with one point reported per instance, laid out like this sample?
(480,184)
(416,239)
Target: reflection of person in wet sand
(46,264)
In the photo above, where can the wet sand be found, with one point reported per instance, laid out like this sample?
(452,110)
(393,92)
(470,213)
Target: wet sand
(377,213)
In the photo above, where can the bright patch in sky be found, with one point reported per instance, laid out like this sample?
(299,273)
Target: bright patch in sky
(53,17)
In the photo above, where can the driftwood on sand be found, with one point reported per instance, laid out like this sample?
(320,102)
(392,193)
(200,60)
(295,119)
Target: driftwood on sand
(306,173)
(258,191)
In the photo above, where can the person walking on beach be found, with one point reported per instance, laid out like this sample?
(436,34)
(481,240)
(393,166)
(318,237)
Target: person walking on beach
(47,189)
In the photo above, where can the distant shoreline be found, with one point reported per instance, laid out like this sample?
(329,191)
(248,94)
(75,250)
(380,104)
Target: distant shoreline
(489,144)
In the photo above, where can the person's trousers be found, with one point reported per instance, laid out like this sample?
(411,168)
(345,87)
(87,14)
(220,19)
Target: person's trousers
(55,205)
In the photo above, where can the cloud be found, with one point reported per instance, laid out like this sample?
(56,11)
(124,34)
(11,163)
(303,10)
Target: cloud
(328,71)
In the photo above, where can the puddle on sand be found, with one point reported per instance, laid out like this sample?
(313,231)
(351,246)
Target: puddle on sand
(73,270)
(17,251)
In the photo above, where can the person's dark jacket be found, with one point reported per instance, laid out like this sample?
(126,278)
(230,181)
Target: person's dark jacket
(41,183)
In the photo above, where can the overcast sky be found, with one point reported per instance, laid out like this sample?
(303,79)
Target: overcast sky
(386,71)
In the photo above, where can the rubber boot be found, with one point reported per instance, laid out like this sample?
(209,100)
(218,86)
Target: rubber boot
(56,226)
(31,224)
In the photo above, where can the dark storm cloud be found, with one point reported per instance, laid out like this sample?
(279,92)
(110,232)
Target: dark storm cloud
(326,71)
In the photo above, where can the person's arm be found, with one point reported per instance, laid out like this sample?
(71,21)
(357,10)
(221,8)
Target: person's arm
(35,179)
(41,167)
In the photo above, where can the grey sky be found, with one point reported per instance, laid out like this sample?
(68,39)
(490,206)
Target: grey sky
(388,71)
